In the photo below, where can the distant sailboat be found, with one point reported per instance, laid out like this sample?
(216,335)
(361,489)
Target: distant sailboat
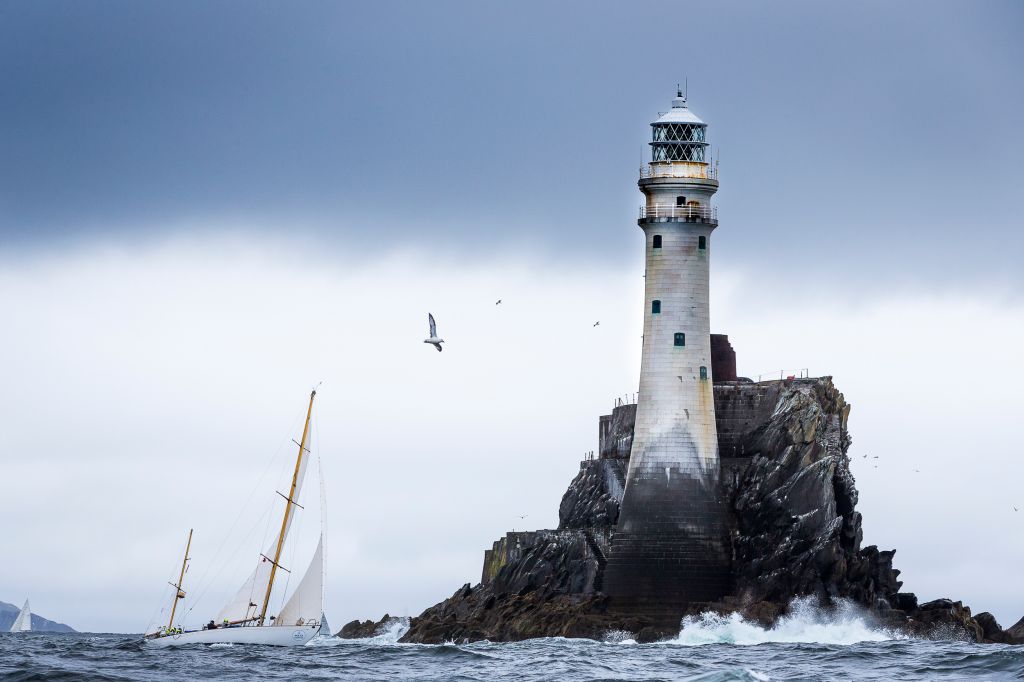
(244,619)
(23,623)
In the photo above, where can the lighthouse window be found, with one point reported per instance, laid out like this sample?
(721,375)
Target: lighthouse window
(657,241)
(655,307)
(703,373)
(680,201)
(702,242)
(680,339)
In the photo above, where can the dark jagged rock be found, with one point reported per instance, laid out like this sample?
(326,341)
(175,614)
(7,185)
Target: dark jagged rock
(362,629)
(1016,631)
(992,632)
(592,499)
(794,527)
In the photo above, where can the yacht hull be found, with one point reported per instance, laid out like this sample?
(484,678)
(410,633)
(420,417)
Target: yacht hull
(270,635)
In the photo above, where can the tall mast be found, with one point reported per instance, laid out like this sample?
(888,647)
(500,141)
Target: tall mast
(178,594)
(287,509)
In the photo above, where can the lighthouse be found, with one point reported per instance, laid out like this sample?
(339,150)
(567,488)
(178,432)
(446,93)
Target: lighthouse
(669,547)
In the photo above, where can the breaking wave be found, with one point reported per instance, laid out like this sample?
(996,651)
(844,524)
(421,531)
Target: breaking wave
(805,623)
(389,632)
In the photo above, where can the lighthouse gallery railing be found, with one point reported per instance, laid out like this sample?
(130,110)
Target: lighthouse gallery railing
(694,213)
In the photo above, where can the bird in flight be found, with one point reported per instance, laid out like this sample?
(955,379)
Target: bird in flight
(524,516)
(433,340)
(1014,509)
(498,302)
(597,323)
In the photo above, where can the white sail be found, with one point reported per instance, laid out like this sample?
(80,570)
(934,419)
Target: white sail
(247,601)
(306,605)
(23,623)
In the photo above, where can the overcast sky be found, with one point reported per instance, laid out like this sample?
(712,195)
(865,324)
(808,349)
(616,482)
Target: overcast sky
(207,208)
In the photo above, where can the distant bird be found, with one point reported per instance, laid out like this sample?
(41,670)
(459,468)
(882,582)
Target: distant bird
(498,302)
(865,456)
(875,457)
(597,323)
(524,516)
(1014,509)
(433,340)
(917,471)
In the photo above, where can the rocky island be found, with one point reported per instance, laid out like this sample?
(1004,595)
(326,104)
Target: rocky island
(713,493)
(793,527)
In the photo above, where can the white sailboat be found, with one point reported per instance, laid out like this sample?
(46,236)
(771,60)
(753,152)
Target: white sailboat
(244,619)
(23,623)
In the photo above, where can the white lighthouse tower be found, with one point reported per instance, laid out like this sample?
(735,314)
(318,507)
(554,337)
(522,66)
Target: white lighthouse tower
(669,544)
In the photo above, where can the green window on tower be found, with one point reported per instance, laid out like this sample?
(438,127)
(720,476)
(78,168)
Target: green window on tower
(702,242)
(657,241)
(680,339)
(703,373)
(655,307)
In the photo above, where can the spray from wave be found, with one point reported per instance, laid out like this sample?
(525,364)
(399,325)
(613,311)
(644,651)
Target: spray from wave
(805,623)
(389,632)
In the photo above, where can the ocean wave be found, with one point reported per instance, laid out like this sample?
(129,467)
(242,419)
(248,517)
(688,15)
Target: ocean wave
(805,623)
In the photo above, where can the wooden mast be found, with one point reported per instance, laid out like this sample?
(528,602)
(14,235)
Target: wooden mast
(290,500)
(178,594)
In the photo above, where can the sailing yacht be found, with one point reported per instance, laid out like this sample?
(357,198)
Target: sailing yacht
(23,623)
(244,619)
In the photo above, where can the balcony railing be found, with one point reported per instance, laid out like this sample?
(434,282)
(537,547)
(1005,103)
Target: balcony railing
(679,169)
(696,214)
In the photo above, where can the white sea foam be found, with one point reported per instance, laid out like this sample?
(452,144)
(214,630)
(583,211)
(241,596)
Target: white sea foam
(806,622)
(618,637)
(388,633)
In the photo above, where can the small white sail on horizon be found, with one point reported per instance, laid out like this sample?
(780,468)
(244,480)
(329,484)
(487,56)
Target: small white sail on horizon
(23,623)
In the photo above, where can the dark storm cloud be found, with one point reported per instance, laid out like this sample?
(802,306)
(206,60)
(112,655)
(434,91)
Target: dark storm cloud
(885,136)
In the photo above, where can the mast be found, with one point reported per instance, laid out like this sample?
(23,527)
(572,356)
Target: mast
(178,594)
(290,500)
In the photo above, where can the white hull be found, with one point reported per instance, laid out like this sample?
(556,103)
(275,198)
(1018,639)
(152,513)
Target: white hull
(269,635)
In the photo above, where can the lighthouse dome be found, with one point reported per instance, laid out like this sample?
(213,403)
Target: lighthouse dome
(679,113)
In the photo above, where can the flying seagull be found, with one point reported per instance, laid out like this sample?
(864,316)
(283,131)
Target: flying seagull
(597,323)
(498,302)
(1014,509)
(433,340)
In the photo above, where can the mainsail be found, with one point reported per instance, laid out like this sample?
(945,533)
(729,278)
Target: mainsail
(246,603)
(307,602)
(23,623)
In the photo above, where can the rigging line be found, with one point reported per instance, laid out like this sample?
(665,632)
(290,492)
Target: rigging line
(200,593)
(160,609)
(275,457)
(323,516)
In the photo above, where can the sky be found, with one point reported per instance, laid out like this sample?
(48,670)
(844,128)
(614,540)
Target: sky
(206,209)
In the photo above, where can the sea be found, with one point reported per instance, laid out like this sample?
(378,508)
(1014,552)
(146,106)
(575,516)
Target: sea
(805,646)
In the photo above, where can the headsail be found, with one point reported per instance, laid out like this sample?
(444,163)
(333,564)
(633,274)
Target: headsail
(23,623)
(246,603)
(307,602)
